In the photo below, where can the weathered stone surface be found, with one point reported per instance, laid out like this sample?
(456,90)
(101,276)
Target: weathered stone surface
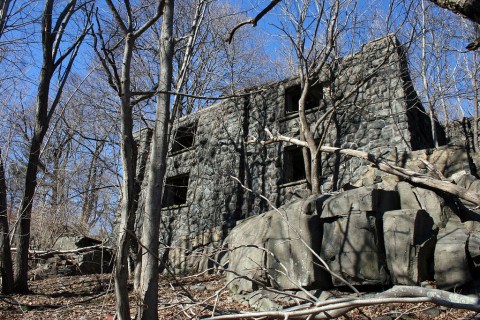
(350,248)
(466,180)
(451,259)
(352,235)
(419,198)
(473,248)
(365,199)
(409,237)
(269,244)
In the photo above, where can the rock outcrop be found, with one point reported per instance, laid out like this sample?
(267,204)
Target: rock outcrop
(370,235)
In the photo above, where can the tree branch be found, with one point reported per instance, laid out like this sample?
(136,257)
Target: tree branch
(252,21)
(408,175)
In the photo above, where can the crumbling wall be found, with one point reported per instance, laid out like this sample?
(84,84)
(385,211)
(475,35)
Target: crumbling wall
(379,113)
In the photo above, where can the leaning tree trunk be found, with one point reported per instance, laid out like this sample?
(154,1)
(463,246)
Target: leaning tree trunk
(156,174)
(23,229)
(6,269)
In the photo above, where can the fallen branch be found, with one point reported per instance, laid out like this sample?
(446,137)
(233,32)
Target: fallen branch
(406,174)
(398,294)
(45,253)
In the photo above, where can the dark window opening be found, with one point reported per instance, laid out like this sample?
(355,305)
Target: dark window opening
(293,164)
(175,192)
(293,94)
(184,137)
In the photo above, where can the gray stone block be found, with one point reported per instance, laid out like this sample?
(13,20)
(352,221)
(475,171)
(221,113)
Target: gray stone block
(267,248)
(409,238)
(450,259)
(350,247)
(473,248)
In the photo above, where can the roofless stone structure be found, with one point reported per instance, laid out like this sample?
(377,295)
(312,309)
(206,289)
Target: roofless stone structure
(380,113)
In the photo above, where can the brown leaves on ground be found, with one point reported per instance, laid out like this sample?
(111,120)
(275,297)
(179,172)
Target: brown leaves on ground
(91,297)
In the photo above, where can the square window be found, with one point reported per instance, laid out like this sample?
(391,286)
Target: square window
(293,164)
(293,94)
(175,191)
(184,137)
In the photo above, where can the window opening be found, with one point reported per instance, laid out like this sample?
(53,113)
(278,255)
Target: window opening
(293,164)
(175,191)
(184,137)
(293,94)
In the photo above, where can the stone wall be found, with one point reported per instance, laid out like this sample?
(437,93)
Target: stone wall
(380,112)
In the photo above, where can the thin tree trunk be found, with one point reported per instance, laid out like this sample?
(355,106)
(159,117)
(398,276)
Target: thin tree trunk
(6,269)
(127,217)
(156,173)
(23,229)
(428,101)
(52,34)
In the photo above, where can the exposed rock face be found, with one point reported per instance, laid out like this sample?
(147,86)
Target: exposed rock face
(368,236)
(451,261)
(272,249)
(409,236)
(352,233)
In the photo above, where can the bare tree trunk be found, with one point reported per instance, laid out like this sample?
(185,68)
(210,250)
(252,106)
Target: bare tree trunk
(156,173)
(90,200)
(6,269)
(4,7)
(467,8)
(41,126)
(127,216)
(426,87)
(53,56)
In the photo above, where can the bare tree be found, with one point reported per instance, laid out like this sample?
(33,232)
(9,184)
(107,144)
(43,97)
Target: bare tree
(6,267)
(4,13)
(469,9)
(55,57)
(156,172)
(121,81)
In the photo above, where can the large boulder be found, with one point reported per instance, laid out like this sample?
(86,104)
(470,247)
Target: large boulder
(451,261)
(276,248)
(428,200)
(352,235)
(410,236)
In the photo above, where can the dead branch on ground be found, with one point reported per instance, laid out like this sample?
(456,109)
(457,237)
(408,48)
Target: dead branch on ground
(406,174)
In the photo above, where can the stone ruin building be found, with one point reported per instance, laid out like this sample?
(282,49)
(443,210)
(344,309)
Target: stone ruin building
(380,113)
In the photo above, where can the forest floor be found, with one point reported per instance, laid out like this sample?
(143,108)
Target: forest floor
(91,297)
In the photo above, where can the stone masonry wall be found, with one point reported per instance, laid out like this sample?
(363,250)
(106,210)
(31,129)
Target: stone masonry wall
(380,112)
